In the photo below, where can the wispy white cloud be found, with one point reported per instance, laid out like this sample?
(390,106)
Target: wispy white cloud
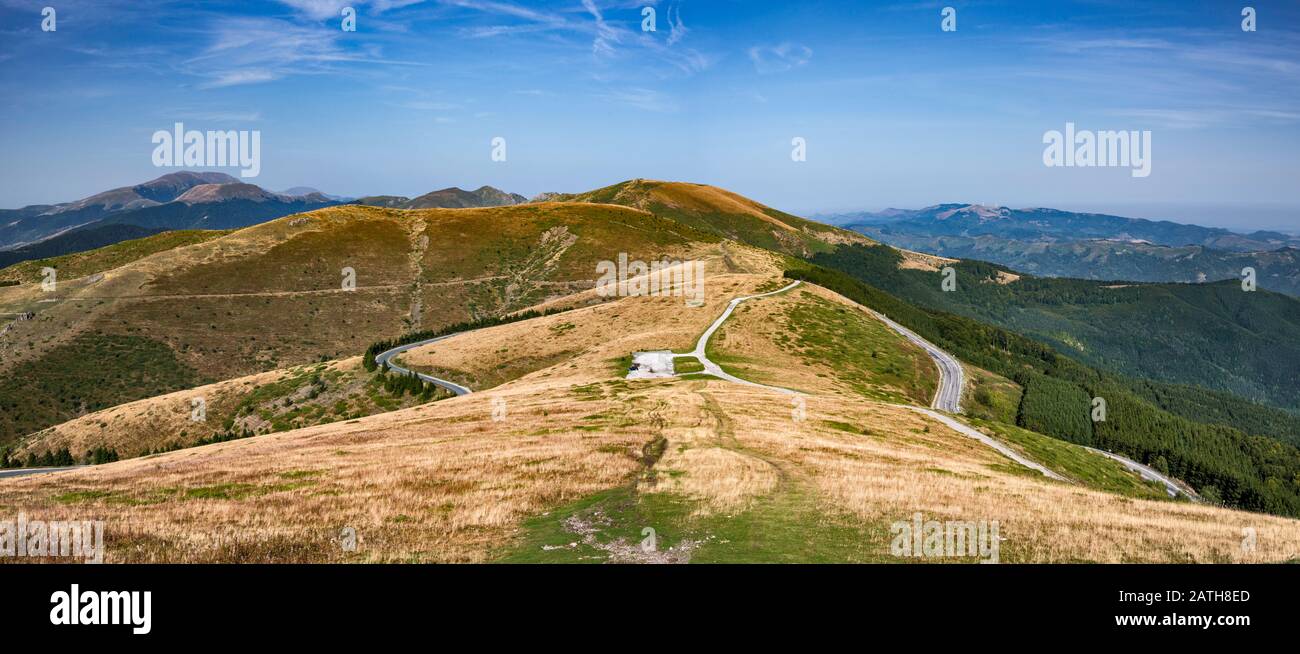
(608,40)
(780,57)
(644,99)
(250,50)
(386,5)
(489,31)
(238,77)
(676,29)
(1201,118)
(322,9)
(213,115)
(606,36)
(508,9)
(1173,77)
(425,105)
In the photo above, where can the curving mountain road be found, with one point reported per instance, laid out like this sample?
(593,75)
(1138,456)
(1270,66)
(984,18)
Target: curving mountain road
(387,356)
(951,377)
(948,398)
(1172,486)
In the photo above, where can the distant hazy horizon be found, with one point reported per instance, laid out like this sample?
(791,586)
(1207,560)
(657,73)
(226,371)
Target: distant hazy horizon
(894,111)
(1240,218)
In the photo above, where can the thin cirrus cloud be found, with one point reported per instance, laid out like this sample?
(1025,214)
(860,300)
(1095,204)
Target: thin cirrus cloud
(606,36)
(1207,117)
(607,40)
(643,99)
(321,9)
(238,77)
(676,29)
(253,50)
(1186,74)
(779,58)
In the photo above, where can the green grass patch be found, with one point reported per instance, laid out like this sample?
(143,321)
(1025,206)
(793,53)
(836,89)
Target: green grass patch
(686,366)
(784,527)
(221,492)
(865,354)
(844,426)
(77,497)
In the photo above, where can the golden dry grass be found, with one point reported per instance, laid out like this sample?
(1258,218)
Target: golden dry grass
(447,482)
(701,198)
(442,482)
(900,469)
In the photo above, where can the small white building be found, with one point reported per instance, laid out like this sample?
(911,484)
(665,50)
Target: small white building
(649,365)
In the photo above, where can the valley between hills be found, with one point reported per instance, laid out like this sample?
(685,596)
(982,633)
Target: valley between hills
(555,455)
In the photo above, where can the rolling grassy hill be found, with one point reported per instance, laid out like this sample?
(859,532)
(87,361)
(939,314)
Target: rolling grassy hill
(272,295)
(721,212)
(269,297)
(583,461)
(242,407)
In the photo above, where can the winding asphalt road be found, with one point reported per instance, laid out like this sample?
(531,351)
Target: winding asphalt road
(387,356)
(1172,486)
(948,398)
(951,377)
(23,472)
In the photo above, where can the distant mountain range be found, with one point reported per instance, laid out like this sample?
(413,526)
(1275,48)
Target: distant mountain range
(189,200)
(299,191)
(448,198)
(1055,243)
(1058,225)
(181,200)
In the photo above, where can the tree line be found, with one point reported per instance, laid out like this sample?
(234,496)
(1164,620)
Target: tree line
(61,457)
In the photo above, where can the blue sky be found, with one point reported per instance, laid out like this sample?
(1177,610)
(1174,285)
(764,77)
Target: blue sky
(895,111)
